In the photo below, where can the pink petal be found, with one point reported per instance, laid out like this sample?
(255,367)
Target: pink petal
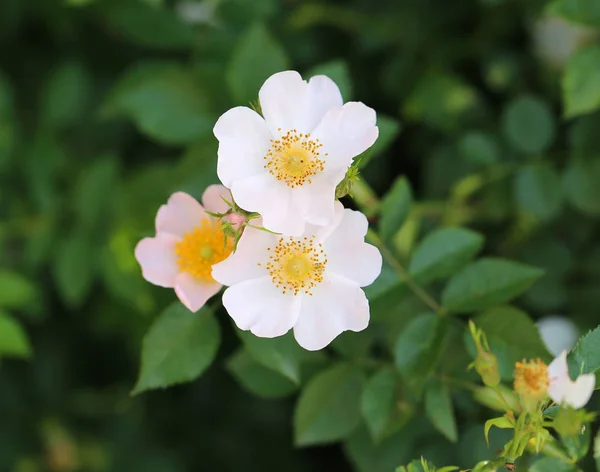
(212,198)
(181,214)
(158,260)
(194,293)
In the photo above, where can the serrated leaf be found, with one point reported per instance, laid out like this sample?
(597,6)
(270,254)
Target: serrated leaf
(178,347)
(380,405)
(581,82)
(528,124)
(579,11)
(394,208)
(487,282)
(255,58)
(258,379)
(580,185)
(337,71)
(443,252)
(13,339)
(329,406)
(538,191)
(16,291)
(439,410)
(585,356)
(74,268)
(418,349)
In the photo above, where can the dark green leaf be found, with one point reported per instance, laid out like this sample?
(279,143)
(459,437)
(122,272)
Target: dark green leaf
(258,379)
(74,268)
(581,82)
(444,252)
(13,339)
(178,347)
(15,290)
(479,148)
(581,188)
(394,208)
(597,451)
(338,72)
(439,410)
(528,124)
(538,191)
(487,282)
(329,406)
(578,11)
(383,457)
(257,56)
(585,356)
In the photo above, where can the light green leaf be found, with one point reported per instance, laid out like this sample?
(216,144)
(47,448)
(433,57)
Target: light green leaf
(439,410)
(579,11)
(164,100)
(178,347)
(380,405)
(501,422)
(538,191)
(585,356)
(337,71)
(528,124)
(487,282)
(443,252)
(257,56)
(15,290)
(552,464)
(282,354)
(258,379)
(394,208)
(581,82)
(329,406)
(389,128)
(74,268)
(418,350)
(581,188)
(13,339)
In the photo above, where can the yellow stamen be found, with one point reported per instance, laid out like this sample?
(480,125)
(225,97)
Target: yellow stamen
(531,379)
(203,247)
(294,158)
(296,265)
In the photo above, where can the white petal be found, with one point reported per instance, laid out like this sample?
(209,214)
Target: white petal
(345,132)
(212,198)
(273,200)
(257,305)
(243,263)
(337,305)
(289,102)
(181,214)
(347,253)
(558,374)
(580,391)
(244,140)
(194,293)
(158,260)
(315,202)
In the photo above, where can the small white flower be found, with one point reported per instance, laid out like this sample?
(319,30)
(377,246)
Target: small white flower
(287,165)
(311,282)
(563,390)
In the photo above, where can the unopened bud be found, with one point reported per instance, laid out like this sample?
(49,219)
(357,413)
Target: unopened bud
(486,366)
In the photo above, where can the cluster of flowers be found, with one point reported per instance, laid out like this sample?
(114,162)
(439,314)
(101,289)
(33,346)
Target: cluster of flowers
(274,233)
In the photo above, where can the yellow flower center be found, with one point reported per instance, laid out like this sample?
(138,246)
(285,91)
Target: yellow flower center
(531,379)
(296,265)
(200,249)
(294,158)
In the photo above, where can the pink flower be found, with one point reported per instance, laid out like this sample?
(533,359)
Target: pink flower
(187,244)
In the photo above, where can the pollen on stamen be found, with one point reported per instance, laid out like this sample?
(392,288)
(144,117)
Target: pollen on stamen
(531,378)
(296,266)
(294,158)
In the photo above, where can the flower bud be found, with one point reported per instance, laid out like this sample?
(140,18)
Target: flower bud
(486,366)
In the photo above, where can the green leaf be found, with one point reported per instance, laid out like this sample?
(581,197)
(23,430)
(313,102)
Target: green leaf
(552,464)
(597,451)
(418,349)
(258,379)
(145,25)
(383,457)
(13,339)
(443,252)
(439,410)
(15,290)
(178,347)
(282,354)
(500,422)
(585,356)
(528,124)
(389,128)
(581,82)
(380,405)
(579,11)
(329,406)
(538,191)
(74,268)
(394,208)
(337,71)
(255,58)
(487,282)
(164,100)
(580,183)
(578,446)
(479,148)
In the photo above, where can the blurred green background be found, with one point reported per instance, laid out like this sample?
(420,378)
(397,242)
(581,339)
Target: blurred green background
(107,107)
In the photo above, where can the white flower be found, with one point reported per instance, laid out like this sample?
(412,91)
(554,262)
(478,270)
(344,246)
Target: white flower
(311,282)
(287,165)
(558,333)
(563,390)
